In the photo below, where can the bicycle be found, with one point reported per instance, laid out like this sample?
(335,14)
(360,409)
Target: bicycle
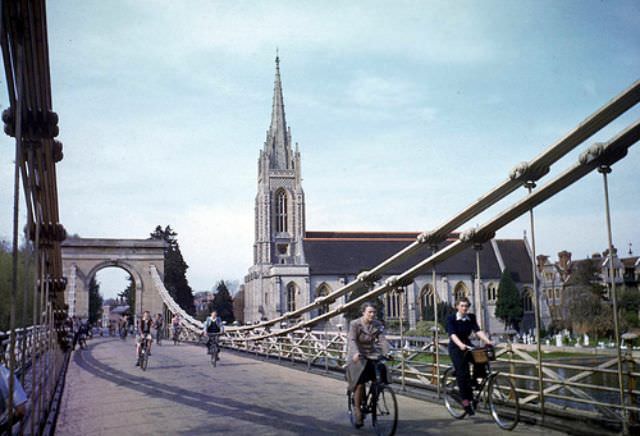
(380,401)
(213,348)
(143,353)
(500,396)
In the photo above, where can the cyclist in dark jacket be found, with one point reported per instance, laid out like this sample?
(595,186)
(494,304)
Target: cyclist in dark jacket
(213,327)
(144,332)
(460,326)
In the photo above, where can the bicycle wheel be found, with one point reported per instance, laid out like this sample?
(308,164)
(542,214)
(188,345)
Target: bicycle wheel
(214,355)
(503,402)
(384,414)
(350,408)
(145,360)
(451,394)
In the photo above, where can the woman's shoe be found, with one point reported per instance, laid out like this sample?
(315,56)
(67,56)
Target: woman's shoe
(469,410)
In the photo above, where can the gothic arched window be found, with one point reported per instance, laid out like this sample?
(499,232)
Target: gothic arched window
(281,211)
(322,291)
(527,300)
(460,291)
(291,297)
(427,302)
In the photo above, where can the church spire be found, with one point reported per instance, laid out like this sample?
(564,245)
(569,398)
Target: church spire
(278,146)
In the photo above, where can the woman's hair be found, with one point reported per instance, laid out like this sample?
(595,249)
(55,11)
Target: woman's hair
(462,300)
(366,305)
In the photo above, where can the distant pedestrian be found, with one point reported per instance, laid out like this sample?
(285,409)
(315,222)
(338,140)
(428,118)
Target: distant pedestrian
(158,324)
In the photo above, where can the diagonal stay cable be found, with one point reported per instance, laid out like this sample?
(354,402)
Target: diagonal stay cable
(599,154)
(529,171)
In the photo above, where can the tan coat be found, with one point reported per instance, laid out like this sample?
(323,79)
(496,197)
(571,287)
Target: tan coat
(366,340)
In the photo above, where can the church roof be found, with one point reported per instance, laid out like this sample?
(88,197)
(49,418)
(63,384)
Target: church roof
(348,253)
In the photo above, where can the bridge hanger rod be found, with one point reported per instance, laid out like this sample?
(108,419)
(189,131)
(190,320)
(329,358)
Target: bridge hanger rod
(531,171)
(596,156)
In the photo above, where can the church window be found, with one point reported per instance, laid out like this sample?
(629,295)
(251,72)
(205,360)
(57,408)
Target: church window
(527,300)
(460,291)
(291,297)
(281,211)
(492,293)
(322,291)
(392,305)
(427,302)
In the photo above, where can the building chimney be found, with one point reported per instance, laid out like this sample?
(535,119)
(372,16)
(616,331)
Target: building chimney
(564,259)
(542,260)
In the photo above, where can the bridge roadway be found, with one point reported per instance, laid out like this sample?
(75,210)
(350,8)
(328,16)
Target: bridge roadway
(180,393)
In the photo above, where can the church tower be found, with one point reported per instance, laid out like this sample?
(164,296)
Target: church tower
(279,217)
(278,252)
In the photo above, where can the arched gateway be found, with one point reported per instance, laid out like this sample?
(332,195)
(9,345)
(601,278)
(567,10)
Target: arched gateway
(82,258)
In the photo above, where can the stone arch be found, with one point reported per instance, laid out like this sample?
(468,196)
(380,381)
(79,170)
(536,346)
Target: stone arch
(125,266)
(82,258)
(460,291)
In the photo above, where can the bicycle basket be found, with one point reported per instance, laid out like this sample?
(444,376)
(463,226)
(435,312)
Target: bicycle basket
(482,355)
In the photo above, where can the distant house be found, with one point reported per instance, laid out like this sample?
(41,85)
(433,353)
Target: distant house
(202,299)
(555,276)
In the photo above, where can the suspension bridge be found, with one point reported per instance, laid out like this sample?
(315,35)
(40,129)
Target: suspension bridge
(277,376)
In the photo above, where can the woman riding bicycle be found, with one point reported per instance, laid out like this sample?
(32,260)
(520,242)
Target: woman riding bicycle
(460,326)
(366,342)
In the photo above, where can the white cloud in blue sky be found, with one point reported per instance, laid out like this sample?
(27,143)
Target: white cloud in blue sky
(405,113)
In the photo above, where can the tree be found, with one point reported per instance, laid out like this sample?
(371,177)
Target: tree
(629,306)
(26,279)
(238,306)
(175,269)
(95,301)
(129,294)
(444,310)
(509,305)
(223,303)
(582,299)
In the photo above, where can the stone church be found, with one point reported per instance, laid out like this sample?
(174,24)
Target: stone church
(292,266)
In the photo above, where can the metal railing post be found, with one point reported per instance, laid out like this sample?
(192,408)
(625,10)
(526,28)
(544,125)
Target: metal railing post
(604,170)
(536,304)
(436,326)
(400,293)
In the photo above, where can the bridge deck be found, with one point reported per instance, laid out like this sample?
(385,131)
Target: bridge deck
(181,393)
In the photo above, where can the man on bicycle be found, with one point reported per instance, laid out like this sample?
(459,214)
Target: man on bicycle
(366,342)
(144,332)
(460,326)
(213,327)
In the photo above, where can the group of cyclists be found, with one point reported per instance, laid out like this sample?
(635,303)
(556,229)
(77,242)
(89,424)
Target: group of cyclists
(212,327)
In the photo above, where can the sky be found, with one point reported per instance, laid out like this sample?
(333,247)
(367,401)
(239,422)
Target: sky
(405,112)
